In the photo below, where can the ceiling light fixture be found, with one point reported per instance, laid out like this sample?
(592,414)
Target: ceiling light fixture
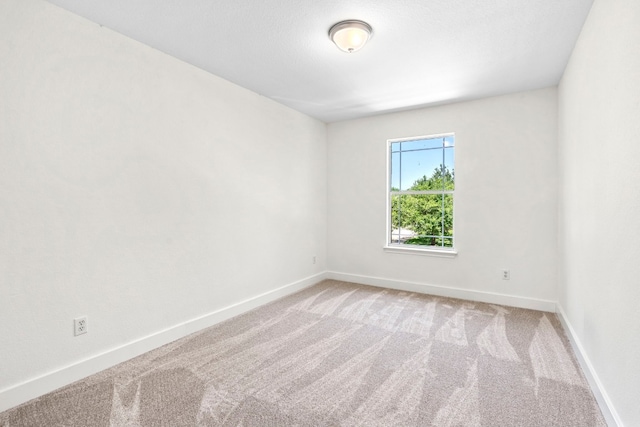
(350,35)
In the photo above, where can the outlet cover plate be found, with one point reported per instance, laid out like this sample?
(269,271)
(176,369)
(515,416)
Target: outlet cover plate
(80,325)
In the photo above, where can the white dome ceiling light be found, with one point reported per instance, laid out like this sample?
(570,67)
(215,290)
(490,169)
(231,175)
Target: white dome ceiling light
(350,35)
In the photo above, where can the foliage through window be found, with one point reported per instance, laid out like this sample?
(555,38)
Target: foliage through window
(421,191)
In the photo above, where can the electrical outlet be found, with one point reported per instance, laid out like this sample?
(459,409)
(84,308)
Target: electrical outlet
(80,325)
(505,274)
(314,259)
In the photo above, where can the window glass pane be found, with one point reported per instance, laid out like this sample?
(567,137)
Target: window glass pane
(421,144)
(449,174)
(399,232)
(395,146)
(448,215)
(417,219)
(425,220)
(395,171)
(447,242)
(449,141)
(418,168)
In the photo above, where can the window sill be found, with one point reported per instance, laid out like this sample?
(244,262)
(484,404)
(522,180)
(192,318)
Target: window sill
(402,249)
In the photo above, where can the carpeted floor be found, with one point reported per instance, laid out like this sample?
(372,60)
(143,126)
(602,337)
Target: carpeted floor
(340,354)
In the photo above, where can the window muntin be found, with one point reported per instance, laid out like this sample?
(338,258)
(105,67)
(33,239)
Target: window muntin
(421,192)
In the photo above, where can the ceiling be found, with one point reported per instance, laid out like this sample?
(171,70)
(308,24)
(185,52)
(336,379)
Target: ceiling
(423,52)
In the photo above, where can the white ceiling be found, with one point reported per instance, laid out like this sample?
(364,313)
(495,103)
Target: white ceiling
(423,52)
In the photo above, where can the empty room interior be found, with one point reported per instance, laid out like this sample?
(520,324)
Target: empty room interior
(217,213)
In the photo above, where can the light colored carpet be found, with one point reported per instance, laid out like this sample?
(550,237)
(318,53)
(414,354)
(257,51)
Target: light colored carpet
(340,354)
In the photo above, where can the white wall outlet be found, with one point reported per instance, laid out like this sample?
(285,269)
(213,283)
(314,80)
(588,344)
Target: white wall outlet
(80,325)
(313,259)
(506,275)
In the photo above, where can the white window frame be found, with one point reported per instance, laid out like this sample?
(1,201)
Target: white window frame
(445,252)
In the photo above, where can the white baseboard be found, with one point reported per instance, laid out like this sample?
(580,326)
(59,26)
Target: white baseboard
(608,411)
(445,291)
(51,381)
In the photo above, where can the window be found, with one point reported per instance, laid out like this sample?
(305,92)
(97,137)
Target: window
(421,191)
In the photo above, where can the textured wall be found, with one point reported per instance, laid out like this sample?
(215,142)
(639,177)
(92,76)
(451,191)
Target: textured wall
(505,203)
(599,140)
(137,190)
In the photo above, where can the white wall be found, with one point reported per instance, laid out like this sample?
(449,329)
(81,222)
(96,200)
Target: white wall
(599,231)
(137,190)
(505,203)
